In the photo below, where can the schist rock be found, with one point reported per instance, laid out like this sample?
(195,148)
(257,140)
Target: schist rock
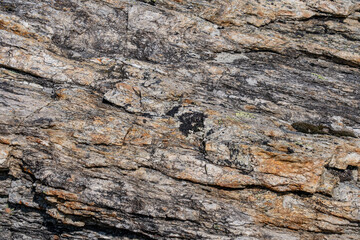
(179,119)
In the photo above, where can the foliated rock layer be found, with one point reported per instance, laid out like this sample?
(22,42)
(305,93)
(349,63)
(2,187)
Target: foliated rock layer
(179,119)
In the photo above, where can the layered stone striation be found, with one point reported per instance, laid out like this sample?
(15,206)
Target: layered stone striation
(179,119)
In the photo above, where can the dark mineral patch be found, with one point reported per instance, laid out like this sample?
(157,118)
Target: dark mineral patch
(320,129)
(191,122)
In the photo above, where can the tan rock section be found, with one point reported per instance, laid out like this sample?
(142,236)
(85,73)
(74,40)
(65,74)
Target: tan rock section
(179,119)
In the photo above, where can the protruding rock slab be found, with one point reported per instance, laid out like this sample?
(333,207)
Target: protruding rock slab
(179,119)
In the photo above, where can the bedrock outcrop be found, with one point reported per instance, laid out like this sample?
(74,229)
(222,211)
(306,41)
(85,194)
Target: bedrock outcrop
(179,119)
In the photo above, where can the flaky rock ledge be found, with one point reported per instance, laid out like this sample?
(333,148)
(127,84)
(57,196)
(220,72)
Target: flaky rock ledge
(161,119)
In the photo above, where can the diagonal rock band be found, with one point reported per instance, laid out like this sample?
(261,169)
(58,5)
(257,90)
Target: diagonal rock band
(179,119)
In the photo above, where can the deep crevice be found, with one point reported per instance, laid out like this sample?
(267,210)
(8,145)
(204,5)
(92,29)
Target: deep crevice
(22,72)
(56,227)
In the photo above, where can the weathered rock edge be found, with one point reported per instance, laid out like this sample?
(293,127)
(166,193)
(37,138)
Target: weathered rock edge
(179,119)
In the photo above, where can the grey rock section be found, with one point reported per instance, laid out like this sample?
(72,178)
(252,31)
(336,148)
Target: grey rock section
(179,119)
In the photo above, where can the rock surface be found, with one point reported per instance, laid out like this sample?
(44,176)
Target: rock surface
(179,119)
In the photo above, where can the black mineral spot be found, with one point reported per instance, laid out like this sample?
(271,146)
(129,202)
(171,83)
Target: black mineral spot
(8,7)
(151,2)
(290,151)
(344,175)
(202,148)
(147,115)
(234,151)
(191,122)
(211,131)
(173,111)
(352,167)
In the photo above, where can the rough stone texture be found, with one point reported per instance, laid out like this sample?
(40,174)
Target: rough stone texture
(179,119)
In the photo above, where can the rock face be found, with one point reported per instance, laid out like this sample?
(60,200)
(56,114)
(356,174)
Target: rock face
(179,119)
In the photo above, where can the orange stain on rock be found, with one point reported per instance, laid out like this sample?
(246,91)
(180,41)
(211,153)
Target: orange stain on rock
(62,194)
(4,141)
(100,139)
(17,29)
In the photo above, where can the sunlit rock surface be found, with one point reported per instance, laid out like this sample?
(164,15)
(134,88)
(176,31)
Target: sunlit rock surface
(179,119)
